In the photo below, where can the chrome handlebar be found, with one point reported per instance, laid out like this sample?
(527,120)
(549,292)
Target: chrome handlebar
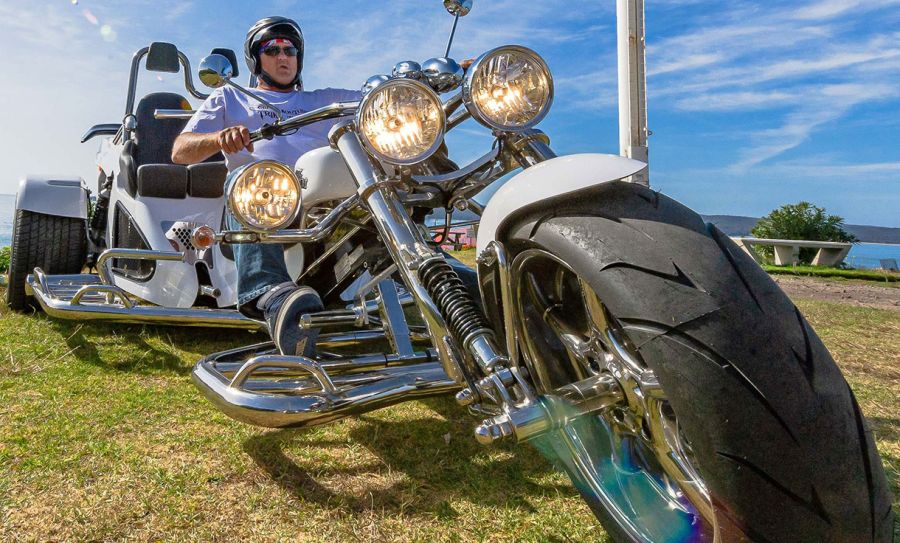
(344,109)
(332,111)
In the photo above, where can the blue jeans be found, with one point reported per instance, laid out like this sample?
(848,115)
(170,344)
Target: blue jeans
(260,266)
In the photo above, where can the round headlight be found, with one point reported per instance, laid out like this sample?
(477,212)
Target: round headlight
(264,196)
(509,88)
(401,121)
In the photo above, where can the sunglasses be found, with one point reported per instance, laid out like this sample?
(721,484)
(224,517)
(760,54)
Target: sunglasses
(274,51)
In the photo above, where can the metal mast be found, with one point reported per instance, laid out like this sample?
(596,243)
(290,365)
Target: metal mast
(633,129)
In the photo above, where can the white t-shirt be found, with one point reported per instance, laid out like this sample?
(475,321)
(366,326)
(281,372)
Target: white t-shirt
(228,107)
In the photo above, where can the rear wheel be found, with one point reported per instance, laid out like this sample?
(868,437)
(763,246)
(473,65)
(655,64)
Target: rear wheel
(736,422)
(57,245)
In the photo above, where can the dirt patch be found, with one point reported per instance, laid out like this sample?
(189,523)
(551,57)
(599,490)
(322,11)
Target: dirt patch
(858,293)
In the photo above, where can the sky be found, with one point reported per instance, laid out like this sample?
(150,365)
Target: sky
(752,104)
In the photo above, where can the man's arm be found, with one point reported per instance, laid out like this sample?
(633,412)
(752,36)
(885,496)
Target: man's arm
(192,148)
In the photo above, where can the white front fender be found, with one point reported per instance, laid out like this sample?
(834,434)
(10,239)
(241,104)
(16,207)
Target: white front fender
(554,177)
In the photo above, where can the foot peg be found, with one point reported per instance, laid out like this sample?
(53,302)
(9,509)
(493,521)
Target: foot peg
(534,418)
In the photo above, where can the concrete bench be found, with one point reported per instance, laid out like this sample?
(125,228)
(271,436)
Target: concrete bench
(787,251)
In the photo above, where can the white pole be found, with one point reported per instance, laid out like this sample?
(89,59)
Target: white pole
(633,129)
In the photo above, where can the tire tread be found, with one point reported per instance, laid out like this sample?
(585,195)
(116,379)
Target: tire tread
(57,245)
(814,432)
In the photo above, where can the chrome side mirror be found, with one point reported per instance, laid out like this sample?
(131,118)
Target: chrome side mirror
(215,71)
(458,8)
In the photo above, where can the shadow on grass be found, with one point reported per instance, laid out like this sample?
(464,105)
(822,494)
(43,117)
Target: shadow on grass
(436,472)
(144,349)
(887,428)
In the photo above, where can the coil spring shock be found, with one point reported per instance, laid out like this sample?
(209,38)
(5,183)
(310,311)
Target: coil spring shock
(456,305)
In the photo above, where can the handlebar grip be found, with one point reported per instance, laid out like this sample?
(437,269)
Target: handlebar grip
(266,132)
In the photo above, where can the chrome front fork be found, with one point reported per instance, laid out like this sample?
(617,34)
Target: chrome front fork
(467,349)
(417,262)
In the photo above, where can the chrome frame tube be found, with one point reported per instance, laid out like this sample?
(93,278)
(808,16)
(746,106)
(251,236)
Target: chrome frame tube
(497,251)
(85,297)
(402,239)
(335,366)
(285,362)
(354,338)
(477,169)
(173,113)
(452,104)
(393,320)
(133,74)
(307,235)
(188,78)
(373,283)
(458,118)
(134,254)
(132,78)
(304,406)
(529,147)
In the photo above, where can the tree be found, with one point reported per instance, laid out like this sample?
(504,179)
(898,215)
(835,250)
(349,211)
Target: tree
(803,221)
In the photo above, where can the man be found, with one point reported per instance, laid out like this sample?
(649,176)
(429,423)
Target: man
(273,49)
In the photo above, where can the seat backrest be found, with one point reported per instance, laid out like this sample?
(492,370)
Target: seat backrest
(154,137)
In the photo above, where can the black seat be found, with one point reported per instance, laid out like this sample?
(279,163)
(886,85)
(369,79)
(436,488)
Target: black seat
(207,180)
(146,161)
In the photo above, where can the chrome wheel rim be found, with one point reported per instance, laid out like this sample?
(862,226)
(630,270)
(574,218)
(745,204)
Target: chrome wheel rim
(633,459)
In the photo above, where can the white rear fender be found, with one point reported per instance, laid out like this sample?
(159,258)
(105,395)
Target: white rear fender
(554,177)
(56,196)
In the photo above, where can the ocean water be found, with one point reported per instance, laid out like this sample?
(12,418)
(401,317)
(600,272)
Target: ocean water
(862,255)
(7,207)
(871,255)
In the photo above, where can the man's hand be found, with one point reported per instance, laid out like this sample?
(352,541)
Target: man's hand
(234,139)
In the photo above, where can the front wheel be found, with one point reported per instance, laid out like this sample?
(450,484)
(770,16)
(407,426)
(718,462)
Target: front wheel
(736,423)
(57,245)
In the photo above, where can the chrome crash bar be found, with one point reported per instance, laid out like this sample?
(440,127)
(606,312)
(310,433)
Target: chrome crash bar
(258,386)
(96,297)
(278,391)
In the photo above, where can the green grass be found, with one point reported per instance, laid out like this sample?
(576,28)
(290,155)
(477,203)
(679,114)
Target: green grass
(103,437)
(4,259)
(880,276)
(467,257)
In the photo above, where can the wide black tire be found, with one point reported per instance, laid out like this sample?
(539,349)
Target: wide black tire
(776,431)
(57,245)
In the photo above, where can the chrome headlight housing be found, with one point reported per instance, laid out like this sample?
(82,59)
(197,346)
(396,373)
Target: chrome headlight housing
(264,196)
(401,121)
(509,88)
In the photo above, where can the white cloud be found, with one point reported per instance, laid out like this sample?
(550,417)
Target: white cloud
(800,67)
(828,9)
(731,101)
(825,10)
(819,107)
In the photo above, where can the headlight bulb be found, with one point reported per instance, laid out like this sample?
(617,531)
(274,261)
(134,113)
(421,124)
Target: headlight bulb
(264,196)
(401,121)
(509,88)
